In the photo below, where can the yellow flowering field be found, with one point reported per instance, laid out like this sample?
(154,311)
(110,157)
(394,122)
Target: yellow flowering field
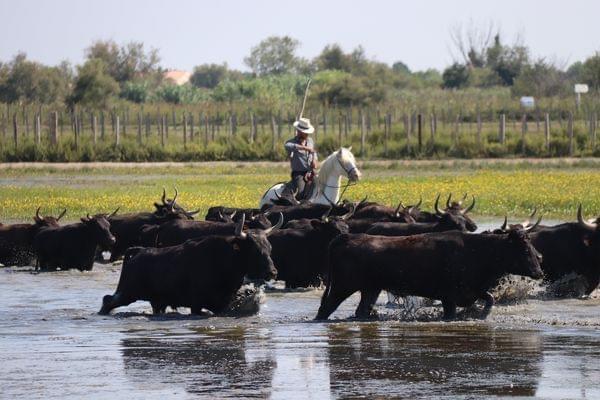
(556,191)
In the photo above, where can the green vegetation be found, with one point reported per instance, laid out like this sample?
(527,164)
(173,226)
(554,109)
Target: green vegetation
(235,115)
(501,187)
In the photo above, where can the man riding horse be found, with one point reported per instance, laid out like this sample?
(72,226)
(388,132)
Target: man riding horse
(303,160)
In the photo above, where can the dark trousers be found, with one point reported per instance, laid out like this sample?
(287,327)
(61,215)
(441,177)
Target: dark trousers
(297,183)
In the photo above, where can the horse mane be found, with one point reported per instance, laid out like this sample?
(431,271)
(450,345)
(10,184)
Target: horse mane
(328,164)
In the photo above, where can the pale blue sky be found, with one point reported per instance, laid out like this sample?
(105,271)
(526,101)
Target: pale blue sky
(188,33)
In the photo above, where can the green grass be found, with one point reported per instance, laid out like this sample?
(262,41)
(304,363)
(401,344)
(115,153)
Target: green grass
(501,187)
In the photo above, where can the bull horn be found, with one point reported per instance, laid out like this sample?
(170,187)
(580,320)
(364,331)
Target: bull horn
(325,217)
(363,201)
(111,214)
(37,214)
(582,222)
(400,206)
(504,224)
(468,209)
(239,229)
(221,217)
(267,213)
(448,200)
(192,213)
(436,206)
(527,222)
(419,203)
(278,225)
(233,214)
(62,214)
(164,196)
(529,228)
(349,213)
(175,198)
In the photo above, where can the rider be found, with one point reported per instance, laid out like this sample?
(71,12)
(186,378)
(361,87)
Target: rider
(303,157)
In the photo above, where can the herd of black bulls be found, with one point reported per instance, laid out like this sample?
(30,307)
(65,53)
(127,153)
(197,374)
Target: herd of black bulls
(170,259)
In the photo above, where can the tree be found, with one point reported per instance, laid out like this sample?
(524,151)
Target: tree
(507,61)
(209,75)
(455,76)
(332,57)
(126,62)
(591,71)
(31,82)
(400,67)
(472,43)
(274,55)
(542,79)
(94,87)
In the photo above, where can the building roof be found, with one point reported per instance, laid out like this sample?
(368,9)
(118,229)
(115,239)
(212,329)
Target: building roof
(178,77)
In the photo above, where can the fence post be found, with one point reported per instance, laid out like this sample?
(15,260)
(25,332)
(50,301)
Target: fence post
(547,131)
(273,132)
(420,130)
(38,129)
(386,134)
(205,130)
(252,128)
(117,130)
(432,124)
(339,129)
(77,127)
(502,129)
(523,131)
(479,128)
(184,132)
(456,131)
(147,125)
(570,132)
(592,126)
(163,121)
(15,130)
(54,128)
(362,134)
(102,127)
(191,127)
(139,123)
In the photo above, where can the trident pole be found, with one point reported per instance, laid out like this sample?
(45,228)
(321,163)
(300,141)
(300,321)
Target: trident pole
(305,96)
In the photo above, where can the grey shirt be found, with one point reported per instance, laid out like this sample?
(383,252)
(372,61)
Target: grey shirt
(300,160)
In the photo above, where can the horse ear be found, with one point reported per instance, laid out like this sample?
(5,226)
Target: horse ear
(350,148)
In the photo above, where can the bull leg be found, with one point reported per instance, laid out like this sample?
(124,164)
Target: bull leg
(158,308)
(449,309)
(366,306)
(330,301)
(111,302)
(489,303)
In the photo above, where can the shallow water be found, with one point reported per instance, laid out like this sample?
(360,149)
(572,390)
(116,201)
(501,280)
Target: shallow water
(52,344)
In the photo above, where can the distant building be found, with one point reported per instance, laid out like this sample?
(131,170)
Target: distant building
(177,77)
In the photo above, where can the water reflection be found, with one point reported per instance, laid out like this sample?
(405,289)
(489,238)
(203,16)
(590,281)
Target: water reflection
(208,363)
(374,360)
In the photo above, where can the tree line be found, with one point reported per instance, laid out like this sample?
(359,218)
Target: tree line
(113,74)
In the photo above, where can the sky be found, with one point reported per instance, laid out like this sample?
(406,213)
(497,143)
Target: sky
(189,33)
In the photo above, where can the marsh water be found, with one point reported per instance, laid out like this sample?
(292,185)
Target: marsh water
(53,344)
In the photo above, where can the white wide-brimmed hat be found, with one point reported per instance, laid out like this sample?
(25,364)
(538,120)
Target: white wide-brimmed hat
(303,125)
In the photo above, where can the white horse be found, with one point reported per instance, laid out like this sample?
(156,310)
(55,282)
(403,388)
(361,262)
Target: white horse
(329,181)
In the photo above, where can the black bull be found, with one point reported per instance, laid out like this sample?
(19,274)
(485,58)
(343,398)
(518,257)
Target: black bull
(72,246)
(454,267)
(204,273)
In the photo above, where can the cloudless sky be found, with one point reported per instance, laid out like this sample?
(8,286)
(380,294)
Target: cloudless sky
(189,33)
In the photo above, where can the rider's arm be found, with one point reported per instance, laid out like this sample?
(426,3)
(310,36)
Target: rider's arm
(290,146)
